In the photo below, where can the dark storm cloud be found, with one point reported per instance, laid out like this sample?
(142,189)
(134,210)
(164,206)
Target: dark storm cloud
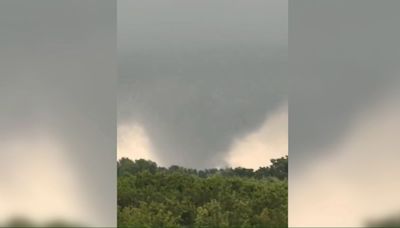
(197,75)
(57,75)
(343,55)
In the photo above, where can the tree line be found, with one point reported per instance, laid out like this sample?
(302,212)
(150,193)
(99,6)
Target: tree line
(153,196)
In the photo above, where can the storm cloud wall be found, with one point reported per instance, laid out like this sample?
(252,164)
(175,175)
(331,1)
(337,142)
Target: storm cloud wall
(196,75)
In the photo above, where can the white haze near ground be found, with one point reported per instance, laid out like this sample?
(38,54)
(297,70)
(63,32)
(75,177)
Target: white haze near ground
(134,143)
(359,180)
(251,151)
(35,182)
(269,141)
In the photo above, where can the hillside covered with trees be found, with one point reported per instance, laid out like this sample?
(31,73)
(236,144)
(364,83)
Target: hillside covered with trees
(153,196)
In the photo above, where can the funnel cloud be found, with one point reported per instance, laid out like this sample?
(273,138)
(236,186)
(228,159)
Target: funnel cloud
(198,75)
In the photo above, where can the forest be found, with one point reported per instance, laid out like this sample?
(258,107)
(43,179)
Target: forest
(153,196)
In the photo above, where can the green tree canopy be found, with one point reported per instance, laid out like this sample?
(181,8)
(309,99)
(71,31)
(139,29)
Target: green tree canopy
(153,196)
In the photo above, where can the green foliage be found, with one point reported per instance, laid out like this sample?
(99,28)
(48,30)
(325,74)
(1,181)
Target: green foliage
(152,196)
(147,215)
(211,214)
(279,169)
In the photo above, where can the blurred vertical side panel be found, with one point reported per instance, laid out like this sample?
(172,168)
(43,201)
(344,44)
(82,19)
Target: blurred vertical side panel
(58,113)
(344,119)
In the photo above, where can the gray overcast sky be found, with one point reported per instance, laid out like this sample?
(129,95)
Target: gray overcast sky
(198,74)
(344,55)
